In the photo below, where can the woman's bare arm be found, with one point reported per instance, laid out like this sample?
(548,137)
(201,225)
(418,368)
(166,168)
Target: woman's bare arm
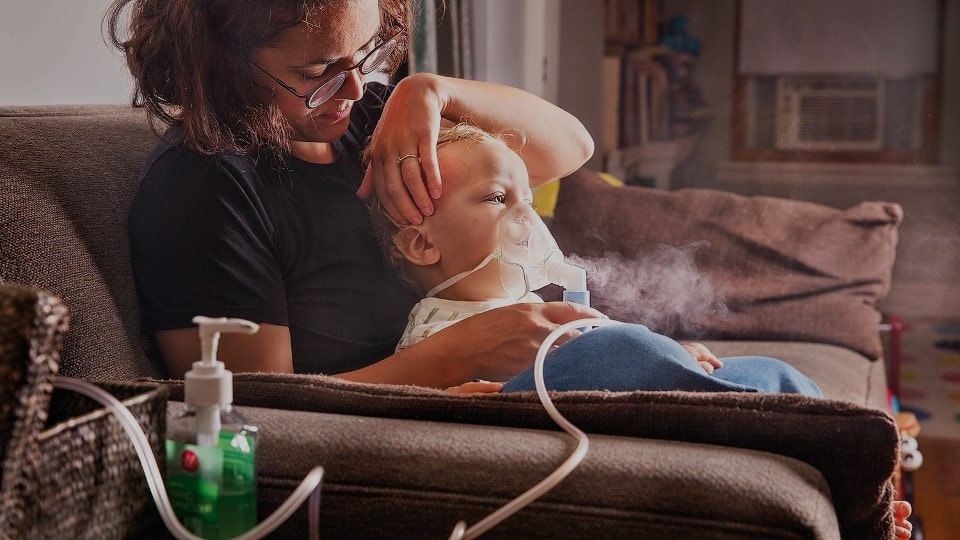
(494,345)
(268,350)
(551,141)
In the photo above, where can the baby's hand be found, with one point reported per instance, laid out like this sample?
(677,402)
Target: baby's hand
(475,388)
(707,360)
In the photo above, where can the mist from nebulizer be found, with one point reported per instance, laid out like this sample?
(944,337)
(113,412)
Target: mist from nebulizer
(661,288)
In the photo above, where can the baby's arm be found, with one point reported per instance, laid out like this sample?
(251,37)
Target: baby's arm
(707,360)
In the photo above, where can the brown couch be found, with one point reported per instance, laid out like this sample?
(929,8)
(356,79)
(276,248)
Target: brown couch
(796,281)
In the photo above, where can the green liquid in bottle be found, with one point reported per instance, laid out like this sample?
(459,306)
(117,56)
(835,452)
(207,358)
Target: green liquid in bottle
(213,490)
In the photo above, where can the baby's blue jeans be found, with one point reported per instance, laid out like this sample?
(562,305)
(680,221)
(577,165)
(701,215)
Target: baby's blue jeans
(629,357)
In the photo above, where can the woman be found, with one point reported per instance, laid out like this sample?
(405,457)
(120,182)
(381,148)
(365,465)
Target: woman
(252,205)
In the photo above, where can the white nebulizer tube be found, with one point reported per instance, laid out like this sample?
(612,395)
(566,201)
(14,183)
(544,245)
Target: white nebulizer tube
(541,261)
(461,531)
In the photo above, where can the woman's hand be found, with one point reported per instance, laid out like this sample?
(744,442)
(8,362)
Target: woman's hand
(500,343)
(707,360)
(491,346)
(406,186)
(551,141)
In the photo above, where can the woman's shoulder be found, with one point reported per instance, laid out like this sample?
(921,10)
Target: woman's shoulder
(173,166)
(183,189)
(376,94)
(172,155)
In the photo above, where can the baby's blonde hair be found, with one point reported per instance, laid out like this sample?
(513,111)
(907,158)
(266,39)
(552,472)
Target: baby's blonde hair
(387,232)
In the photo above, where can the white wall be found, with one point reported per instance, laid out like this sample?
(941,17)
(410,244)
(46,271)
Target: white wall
(53,52)
(887,37)
(516,43)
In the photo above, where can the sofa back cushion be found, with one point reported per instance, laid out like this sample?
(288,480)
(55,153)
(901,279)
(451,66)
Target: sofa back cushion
(782,270)
(67,177)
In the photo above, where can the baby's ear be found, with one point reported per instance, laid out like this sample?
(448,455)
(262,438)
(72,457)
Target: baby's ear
(413,243)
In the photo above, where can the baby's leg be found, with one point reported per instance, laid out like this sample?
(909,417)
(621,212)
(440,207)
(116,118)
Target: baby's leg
(630,357)
(766,375)
(624,357)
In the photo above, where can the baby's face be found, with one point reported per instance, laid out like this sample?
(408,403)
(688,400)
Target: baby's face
(480,182)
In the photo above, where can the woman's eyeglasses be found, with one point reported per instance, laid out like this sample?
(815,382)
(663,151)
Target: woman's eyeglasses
(328,88)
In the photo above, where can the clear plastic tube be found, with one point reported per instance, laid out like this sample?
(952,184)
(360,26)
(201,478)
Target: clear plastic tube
(308,487)
(461,531)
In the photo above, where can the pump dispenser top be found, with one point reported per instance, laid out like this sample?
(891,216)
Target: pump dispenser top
(208,386)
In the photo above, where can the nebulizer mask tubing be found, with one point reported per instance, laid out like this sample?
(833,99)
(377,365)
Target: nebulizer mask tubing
(530,259)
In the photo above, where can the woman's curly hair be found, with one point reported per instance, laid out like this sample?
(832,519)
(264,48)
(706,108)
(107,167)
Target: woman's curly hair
(190,61)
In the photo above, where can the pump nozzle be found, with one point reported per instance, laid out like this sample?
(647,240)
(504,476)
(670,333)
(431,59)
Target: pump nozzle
(208,385)
(210,330)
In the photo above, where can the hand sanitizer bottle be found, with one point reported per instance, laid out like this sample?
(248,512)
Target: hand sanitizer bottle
(211,470)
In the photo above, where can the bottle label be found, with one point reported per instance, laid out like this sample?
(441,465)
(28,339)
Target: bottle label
(213,489)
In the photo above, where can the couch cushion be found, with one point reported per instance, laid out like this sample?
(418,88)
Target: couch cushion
(392,478)
(832,436)
(67,176)
(785,270)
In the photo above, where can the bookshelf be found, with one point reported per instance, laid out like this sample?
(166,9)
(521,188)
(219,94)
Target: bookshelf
(652,105)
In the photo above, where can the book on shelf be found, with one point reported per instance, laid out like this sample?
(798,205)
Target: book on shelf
(644,101)
(611,103)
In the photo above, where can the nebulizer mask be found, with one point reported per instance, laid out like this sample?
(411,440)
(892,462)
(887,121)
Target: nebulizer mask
(528,257)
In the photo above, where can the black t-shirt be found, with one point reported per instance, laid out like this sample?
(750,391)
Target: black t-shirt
(236,236)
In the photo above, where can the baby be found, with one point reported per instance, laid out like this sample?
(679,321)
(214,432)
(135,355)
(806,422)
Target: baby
(457,259)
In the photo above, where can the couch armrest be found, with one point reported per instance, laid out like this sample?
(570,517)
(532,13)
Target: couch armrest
(830,435)
(394,478)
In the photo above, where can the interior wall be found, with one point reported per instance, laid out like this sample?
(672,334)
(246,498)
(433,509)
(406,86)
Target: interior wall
(715,24)
(852,36)
(52,52)
(579,69)
(950,93)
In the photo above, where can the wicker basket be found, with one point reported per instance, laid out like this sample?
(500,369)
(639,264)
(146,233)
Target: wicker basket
(69,470)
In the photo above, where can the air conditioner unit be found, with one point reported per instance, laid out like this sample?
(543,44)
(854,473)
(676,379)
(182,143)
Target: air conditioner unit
(829,113)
